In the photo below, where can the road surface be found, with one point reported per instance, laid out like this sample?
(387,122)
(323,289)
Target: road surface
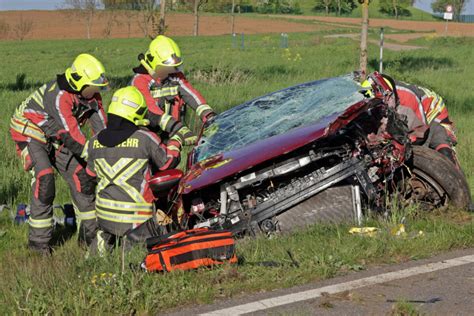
(443,285)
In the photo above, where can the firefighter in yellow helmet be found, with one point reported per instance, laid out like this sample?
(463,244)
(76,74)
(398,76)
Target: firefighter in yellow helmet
(121,157)
(46,128)
(167,92)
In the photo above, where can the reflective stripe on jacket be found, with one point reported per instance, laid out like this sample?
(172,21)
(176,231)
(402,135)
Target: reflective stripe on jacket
(50,113)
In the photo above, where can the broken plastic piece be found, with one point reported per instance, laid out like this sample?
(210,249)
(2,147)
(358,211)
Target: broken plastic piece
(365,231)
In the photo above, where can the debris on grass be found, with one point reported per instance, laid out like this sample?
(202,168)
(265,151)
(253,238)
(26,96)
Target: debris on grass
(364,231)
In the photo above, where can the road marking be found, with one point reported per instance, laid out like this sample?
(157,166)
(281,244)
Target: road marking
(341,287)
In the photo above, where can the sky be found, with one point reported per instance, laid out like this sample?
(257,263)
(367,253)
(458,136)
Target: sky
(54,4)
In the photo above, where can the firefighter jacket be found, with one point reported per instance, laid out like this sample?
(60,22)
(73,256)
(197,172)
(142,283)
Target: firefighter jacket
(167,100)
(123,197)
(55,113)
(422,107)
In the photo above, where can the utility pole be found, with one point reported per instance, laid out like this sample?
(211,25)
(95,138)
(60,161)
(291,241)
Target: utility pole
(363,38)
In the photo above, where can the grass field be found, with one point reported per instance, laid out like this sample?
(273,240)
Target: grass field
(69,283)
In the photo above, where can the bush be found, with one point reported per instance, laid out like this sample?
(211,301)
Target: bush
(339,7)
(279,7)
(395,8)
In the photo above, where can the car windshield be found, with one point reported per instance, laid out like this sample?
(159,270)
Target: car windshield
(277,113)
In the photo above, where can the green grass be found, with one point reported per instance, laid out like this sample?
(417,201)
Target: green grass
(67,283)
(226,76)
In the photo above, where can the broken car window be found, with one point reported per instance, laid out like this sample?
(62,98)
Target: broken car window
(277,113)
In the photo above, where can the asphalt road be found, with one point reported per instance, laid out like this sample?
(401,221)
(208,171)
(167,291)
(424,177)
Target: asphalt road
(442,285)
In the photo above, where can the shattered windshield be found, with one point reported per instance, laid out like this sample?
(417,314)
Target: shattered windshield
(277,113)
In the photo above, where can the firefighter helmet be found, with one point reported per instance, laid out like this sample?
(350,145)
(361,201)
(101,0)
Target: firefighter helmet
(366,89)
(163,51)
(86,70)
(129,103)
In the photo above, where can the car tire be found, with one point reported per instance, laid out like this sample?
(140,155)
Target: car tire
(443,171)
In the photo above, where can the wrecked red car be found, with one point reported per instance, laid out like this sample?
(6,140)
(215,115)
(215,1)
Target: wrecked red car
(315,152)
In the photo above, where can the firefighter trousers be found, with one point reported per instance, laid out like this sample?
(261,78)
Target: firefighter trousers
(443,141)
(40,159)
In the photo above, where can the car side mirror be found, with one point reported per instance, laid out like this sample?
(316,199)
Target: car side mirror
(163,181)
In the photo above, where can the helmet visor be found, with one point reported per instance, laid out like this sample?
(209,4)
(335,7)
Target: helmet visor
(173,61)
(101,81)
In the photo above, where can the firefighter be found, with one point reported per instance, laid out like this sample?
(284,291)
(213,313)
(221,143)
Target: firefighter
(432,111)
(427,117)
(167,92)
(46,128)
(121,157)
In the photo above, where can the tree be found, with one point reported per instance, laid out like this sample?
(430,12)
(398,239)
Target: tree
(110,16)
(439,6)
(22,28)
(148,10)
(363,38)
(197,5)
(326,4)
(130,16)
(396,8)
(162,26)
(335,6)
(278,6)
(85,9)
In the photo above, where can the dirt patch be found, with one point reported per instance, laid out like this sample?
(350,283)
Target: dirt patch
(454,29)
(405,37)
(59,25)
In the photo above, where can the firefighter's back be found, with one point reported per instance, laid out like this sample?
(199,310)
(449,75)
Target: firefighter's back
(123,199)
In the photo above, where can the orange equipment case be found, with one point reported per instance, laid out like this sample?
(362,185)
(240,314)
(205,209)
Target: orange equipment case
(190,249)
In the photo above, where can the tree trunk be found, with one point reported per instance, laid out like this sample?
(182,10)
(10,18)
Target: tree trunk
(339,7)
(232,31)
(395,9)
(363,38)
(88,25)
(196,18)
(327,10)
(161,26)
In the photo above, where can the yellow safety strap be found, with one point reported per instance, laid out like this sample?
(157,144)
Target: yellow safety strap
(24,155)
(123,218)
(123,206)
(177,138)
(436,109)
(203,107)
(40,223)
(119,174)
(165,119)
(84,216)
(164,92)
(173,147)
(26,128)
(85,153)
